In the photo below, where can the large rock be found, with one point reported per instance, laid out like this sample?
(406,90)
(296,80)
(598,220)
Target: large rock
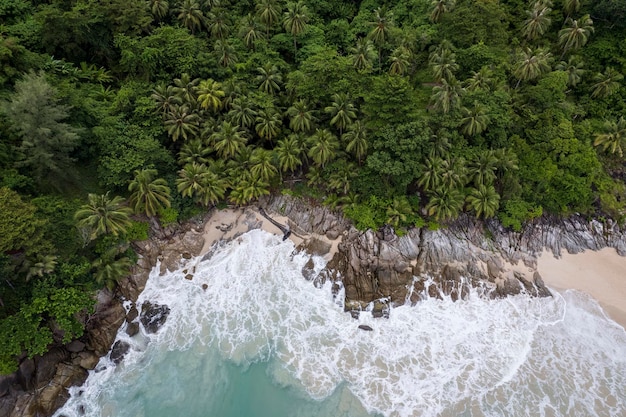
(120,349)
(153,316)
(103,328)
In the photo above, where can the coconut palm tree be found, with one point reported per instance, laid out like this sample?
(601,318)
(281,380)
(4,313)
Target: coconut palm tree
(574,69)
(431,171)
(300,117)
(480,80)
(241,112)
(342,111)
(228,140)
(268,12)
(445,203)
(295,21)
(199,182)
(339,179)
(474,120)
(288,151)
(398,211)
(482,168)
(363,54)
(576,35)
(356,140)
(210,95)
(262,164)
(250,31)
(165,98)
(268,124)
(181,122)
(186,89)
(218,23)
(453,173)
(159,8)
(531,64)
(226,54)
(324,146)
(440,7)
(443,64)
(538,21)
(104,215)
(447,96)
(190,15)
(399,61)
(382,24)
(248,188)
(194,151)
(269,78)
(571,6)
(149,194)
(484,200)
(606,84)
(613,137)
(109,271)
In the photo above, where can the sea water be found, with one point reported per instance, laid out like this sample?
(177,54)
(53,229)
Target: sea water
(261,341)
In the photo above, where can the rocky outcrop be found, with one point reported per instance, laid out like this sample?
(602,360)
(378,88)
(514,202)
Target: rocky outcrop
(153,316)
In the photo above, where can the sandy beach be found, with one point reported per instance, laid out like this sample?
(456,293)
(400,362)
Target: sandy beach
(601,274)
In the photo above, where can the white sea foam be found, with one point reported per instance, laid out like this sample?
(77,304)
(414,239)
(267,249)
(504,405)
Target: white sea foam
(517,356)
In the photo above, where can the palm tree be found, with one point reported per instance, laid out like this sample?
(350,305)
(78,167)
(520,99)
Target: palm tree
(484,200)
(324,146)
(186,89)
(443,64)
(300,117)
(480,80)
(211,4)
(399,61)
(474,120)
(200,182)
(165,98)
(574,69)
(295,21)
(182,122)
(383,22)
(538,21)
(576,35)
(356,139)
(445,203)
(159,8)
(218,23)
(40,266)
(571,6)
(104,215)
(339,179)
(194,151)
(399,211)
(228,140)
(453,173)
(210,95)
(190,15)
(109,271)
(439,8)
(249,31)
(482,168)
(248,188)
(269,78)
(447,96)
(342,111)
(227,56)
(268,124)
(531,64)
(288,151)
(613,136)
(262,164)
(606,84)
(268,12)
(241,112)
(148,194)
(363,54)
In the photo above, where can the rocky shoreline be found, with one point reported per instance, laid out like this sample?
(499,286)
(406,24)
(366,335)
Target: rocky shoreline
(377,270)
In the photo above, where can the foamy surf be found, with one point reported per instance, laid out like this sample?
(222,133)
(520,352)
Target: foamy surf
(263,341)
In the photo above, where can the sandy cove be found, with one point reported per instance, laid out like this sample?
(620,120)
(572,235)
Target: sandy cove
(601,274)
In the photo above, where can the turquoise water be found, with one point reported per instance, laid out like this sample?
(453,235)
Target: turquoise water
(263,341)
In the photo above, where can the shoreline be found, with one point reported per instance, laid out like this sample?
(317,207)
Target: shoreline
(600,274)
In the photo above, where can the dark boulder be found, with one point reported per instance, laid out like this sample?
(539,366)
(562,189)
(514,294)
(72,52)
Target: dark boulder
(120,349)
(153,316)
(365,327)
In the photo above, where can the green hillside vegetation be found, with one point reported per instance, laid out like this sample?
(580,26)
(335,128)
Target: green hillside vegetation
(117,114)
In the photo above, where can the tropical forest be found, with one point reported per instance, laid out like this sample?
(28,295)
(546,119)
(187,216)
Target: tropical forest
(121,116)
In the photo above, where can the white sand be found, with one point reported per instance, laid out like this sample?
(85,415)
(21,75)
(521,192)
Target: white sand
(601,274)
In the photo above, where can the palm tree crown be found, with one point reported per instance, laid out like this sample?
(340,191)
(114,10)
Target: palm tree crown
(104,215)
(148,193)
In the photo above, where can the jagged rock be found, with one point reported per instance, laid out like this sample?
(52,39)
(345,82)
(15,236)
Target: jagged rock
(308,270)
(5,384)
(542,290)
(332,234)
(120,349)
(47,365)
(88,359)
(204,287)
(132,329)
(153,316)
(189,277)
(26,373)
(315,246)
(365,327)
(132,314)
(75,346)
(103,328)
(55,394)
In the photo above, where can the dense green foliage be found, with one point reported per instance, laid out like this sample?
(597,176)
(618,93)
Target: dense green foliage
(115,114)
